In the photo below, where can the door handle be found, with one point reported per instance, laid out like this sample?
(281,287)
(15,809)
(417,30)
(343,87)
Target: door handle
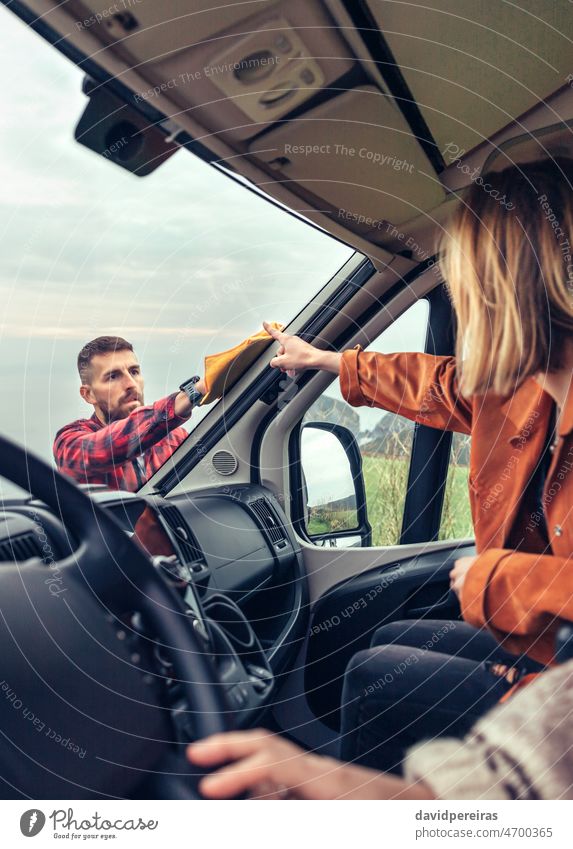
(448,601)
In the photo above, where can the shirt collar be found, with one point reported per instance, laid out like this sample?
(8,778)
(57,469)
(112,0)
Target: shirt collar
(527,409)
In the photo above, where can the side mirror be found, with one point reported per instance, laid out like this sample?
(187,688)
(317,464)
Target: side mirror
(334,496)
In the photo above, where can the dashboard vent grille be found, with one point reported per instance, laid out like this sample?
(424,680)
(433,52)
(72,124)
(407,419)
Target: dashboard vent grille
(20,548)
(225,463)
(188,545)
(264,513)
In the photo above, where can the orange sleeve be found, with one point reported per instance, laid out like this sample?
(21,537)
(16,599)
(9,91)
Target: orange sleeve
(522,598)
(421,387)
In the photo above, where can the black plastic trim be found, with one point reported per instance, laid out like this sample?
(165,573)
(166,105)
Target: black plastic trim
(430,447)
(93,70)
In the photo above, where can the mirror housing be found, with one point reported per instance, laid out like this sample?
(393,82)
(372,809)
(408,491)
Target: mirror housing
(120,134)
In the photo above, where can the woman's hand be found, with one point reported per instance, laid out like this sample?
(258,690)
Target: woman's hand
(268,767)
(459,572)
(294,354)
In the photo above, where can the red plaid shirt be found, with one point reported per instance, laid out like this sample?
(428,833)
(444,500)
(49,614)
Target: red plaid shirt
(90,452)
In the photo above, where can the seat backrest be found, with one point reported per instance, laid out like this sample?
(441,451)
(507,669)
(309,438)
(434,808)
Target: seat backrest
(564,643)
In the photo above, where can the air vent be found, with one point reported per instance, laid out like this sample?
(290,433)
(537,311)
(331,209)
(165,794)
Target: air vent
(19,548)
(225,463)
(186,542)
(264,513)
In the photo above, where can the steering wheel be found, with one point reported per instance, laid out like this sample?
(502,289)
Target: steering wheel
(74,675)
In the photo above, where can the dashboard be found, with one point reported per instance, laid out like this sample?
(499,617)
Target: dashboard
(231,556)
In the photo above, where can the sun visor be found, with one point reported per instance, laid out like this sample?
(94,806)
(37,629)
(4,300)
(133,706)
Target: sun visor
(356,158)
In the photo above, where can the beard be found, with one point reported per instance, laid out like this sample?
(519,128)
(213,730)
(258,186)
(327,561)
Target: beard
(120,410)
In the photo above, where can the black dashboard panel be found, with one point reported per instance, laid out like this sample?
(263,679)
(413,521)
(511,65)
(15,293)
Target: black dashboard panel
(236,543)
(235,550)
(244,548)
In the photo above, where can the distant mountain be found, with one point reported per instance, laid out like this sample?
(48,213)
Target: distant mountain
(391,437)
(334,411)
(393,434)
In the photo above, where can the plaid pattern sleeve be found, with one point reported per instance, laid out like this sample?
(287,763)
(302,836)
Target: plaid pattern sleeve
(86,448)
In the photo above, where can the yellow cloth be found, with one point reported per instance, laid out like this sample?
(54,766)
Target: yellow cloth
(223,370)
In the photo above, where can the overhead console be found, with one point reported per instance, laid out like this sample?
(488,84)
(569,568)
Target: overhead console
(239,67)
(473,67)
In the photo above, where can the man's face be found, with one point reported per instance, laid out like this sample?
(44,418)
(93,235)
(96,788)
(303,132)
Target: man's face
(115,385)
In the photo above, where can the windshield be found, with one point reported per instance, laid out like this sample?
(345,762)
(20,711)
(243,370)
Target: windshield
(182,263)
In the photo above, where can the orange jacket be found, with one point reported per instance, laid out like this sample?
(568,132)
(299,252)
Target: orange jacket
(520,587)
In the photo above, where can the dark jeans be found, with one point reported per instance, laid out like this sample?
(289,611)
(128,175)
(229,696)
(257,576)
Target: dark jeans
(421,679)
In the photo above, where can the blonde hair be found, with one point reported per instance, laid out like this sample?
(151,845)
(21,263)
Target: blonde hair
(507,261)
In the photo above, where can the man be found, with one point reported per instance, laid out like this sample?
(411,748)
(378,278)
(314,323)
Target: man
(124,442)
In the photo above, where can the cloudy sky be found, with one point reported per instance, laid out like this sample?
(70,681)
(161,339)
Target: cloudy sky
(183,262)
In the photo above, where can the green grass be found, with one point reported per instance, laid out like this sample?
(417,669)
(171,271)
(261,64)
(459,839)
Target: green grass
(325,521)
(386,480)
(456,514)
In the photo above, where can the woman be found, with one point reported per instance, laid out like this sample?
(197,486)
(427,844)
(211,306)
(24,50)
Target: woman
(509,272)
(510,277)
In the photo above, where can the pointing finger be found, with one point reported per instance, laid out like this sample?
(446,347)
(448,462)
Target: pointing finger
(272,331)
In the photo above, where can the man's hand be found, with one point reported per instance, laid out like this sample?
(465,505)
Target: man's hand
(269,767)
(294,354)
(459,572)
